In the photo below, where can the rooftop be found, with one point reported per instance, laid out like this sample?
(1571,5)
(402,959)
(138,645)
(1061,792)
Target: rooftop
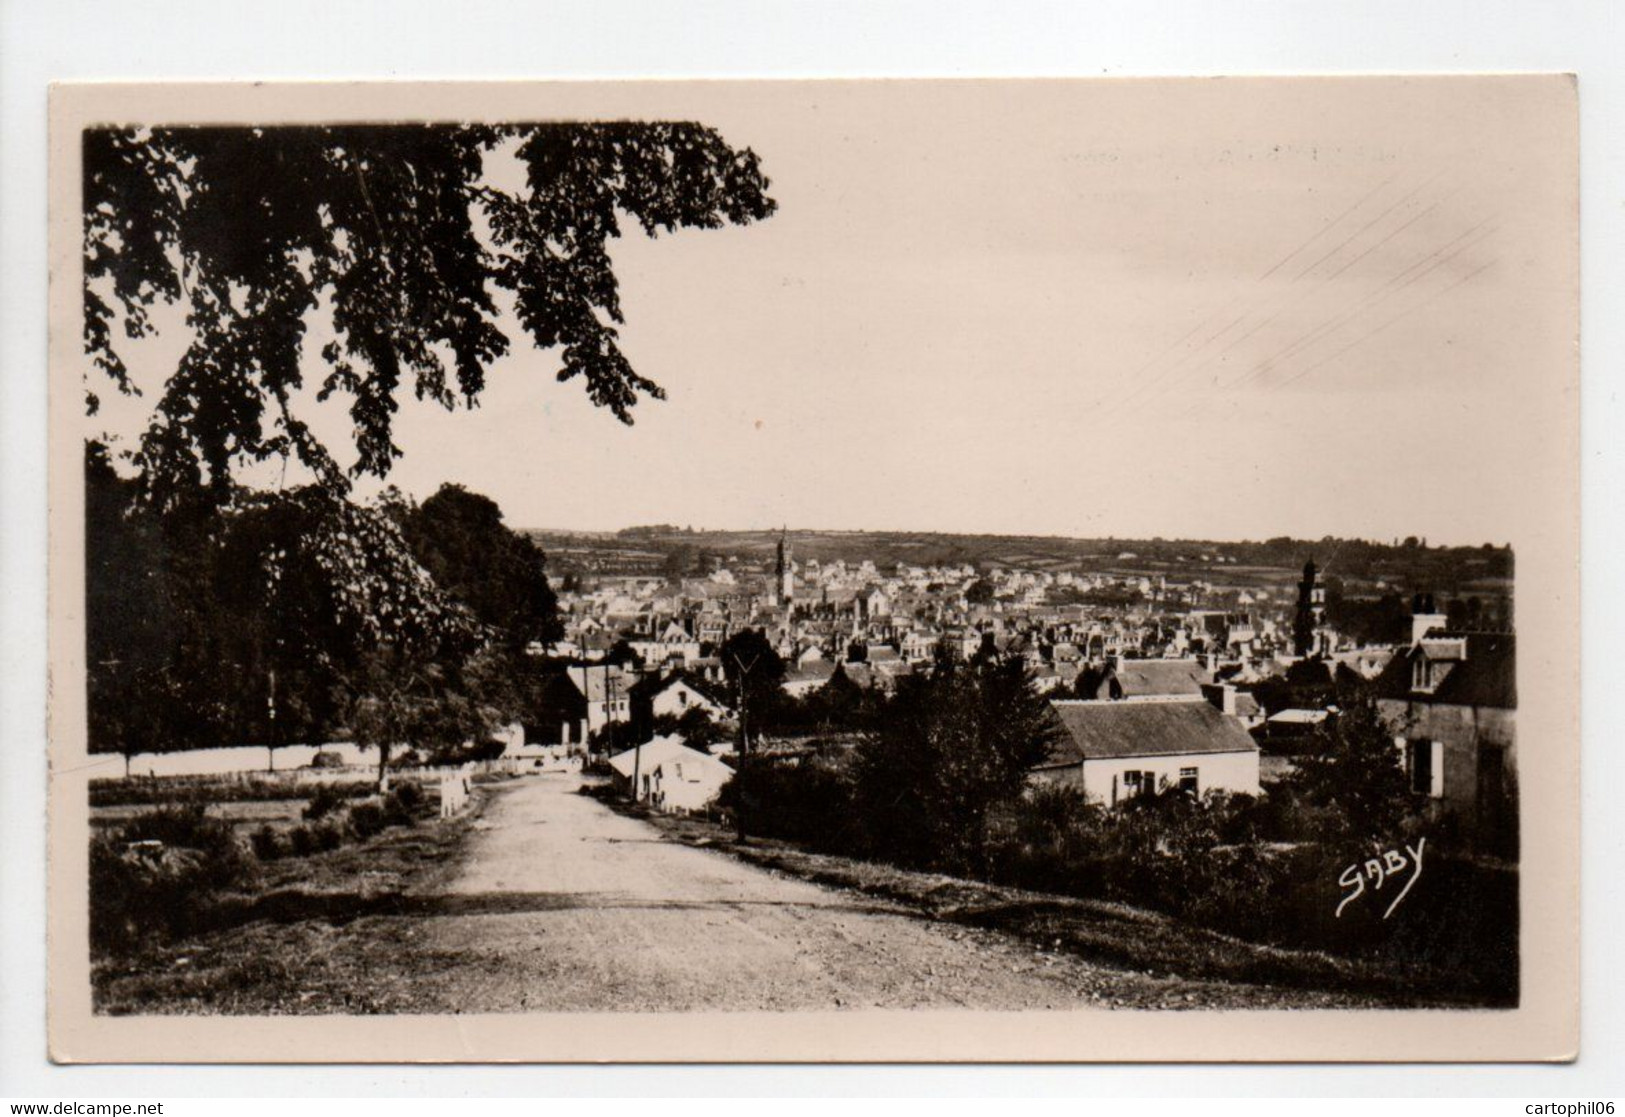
(1098,730)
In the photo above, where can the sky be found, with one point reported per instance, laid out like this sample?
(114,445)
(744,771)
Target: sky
(1209,308)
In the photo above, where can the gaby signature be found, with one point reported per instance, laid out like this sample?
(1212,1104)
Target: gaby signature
(1380,870)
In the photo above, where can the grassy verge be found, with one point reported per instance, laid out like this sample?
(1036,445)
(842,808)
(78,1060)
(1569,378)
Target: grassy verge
(1111,934)
(280,947)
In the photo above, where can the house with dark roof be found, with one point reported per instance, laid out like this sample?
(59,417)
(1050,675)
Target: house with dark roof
(1451,702)
(1116,750)
(802,680)
(1153,678)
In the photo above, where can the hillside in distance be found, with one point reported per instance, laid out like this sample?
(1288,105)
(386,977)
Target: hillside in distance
(1407,566)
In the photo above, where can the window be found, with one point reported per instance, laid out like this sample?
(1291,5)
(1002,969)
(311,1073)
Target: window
(1425,765)
(1187,781)
(1139,783)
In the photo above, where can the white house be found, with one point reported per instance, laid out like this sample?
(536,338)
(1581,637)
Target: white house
(679,694)
(917,646)
(670,776)
(1116,750)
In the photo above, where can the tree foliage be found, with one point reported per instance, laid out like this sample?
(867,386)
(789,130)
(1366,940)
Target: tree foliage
(979,592)
(221,614)
(754,671)
(1353,768)
(951,746)
(214,626)
(499,574)
(447,709)
(398,237)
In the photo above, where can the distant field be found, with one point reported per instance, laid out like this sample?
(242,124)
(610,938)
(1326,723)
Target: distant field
(1361,564)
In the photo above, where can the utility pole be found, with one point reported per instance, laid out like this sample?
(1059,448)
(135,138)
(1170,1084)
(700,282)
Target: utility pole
(637,743)
(270,714)
(744,728)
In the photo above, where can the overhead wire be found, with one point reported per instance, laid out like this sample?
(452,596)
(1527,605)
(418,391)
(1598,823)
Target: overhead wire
(1141,385)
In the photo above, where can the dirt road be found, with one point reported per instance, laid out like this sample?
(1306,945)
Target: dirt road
(564,904)
(560,903)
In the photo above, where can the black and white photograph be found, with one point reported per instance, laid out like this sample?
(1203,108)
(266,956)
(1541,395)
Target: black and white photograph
(810,557)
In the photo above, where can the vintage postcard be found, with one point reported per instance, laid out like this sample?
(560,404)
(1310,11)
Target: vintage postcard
(1046,570)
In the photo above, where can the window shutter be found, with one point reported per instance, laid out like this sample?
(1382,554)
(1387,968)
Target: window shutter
(1436,783)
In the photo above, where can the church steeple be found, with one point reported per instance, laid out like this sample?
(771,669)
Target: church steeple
(1311,612)
(783,572)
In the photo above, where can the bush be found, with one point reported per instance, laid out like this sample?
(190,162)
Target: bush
(367,818)
(141,893)
(802,800)
(404,804)
(328,798)
(327,835)
(302,840)
(1049,840)
(268,844)
(409,758)
(326,760)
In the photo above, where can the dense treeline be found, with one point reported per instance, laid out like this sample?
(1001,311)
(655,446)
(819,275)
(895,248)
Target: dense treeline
(294,617)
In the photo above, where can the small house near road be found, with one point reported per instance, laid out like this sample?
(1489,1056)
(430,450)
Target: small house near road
(669,775)
(1115,751)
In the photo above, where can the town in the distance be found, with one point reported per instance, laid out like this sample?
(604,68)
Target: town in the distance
(1173,665)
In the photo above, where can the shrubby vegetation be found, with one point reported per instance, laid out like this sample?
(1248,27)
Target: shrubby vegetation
(169,873)
(179,790)
(169,888)
(941,785)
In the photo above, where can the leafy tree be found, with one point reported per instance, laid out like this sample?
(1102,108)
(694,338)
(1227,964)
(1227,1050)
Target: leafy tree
(1381,620)
(842,704)
(755,672)
(394,234)
(499,574)
(979,592)
(1091,678)
(679,562)
(391,240)
(239,626)
(144,639)
(951,746)
(694,725)
(419,702)
(1306,685)
(1354,768)
(623,654)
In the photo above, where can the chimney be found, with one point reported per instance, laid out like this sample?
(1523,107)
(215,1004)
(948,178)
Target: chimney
(1221,696)
(1423,617)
